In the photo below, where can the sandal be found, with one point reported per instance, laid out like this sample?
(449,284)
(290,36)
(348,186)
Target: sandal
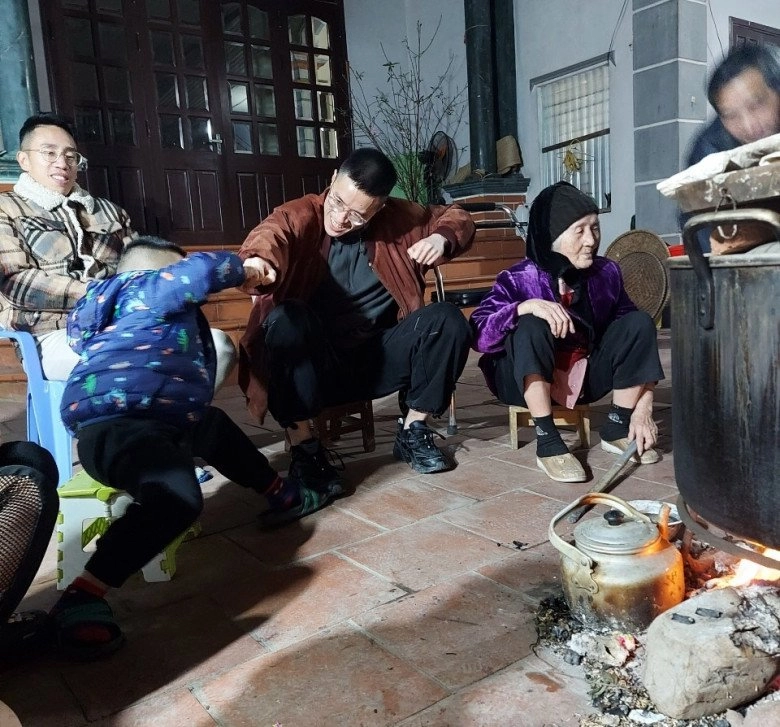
(85,612)
(25,634)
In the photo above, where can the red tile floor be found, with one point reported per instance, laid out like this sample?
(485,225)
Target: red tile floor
(405,603)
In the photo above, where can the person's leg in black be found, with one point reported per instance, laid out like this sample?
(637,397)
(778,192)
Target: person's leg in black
(523,378)
(424,355)
(224,445)
(153,462)
(626,362)
(301,362)
(28,512)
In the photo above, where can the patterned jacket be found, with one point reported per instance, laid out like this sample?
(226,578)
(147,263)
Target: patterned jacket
(294,241)
(50,248)
(145,345)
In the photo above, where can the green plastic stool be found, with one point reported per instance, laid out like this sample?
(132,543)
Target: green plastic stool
(87,508)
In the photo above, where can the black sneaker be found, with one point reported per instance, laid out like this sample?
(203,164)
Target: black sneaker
(415,446)
(316,468)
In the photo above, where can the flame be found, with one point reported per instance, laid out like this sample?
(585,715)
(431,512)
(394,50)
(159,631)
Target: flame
(747,571)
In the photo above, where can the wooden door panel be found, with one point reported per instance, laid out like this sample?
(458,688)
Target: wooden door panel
(249,200)
(209,200)
(274,188)
(181,218)
(201,116)
(132,192)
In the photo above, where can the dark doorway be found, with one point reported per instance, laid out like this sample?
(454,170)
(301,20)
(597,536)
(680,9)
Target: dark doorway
(198,116)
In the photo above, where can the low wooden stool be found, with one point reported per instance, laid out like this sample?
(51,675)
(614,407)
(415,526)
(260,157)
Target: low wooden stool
(579,417)
(357,416)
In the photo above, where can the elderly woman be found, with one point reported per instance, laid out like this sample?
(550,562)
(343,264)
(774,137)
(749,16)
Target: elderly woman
(559,326)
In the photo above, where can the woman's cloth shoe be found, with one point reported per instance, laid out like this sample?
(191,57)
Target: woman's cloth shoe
(618,446)
(562,468)
(310,501)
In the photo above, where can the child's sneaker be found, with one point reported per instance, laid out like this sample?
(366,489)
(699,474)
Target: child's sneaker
(304,502)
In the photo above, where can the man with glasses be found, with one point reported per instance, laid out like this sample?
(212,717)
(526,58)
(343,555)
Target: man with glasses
(341,317)
(54,238)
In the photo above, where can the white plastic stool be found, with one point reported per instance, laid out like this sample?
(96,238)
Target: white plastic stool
(87,508)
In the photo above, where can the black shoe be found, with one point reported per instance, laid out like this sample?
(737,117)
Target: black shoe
(316,468)
(415,446)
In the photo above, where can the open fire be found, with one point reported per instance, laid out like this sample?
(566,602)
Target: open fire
(716,652)
(748,572)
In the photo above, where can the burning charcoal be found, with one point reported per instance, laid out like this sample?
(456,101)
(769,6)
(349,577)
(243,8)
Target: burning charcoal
(554,621)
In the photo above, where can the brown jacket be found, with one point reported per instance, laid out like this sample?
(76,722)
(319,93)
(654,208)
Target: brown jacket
(294,241)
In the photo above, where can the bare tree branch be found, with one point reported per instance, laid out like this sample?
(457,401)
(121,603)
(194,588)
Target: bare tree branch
(400,118)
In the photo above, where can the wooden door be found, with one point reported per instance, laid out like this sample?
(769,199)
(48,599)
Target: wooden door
(200,116)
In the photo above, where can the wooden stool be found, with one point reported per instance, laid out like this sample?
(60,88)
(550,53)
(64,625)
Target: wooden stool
(357,416)
(579,417)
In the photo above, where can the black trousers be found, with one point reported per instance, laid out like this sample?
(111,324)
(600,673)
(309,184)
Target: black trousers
(424,354)
(626,356)
(154,462)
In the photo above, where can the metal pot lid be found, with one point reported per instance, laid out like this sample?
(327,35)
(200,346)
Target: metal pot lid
(615,533)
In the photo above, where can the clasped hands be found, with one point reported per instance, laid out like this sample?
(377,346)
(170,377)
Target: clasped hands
(557,317)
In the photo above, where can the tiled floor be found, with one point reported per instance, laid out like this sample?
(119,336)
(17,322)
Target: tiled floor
(407,603)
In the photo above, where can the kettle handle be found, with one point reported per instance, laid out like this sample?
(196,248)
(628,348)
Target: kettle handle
(583,578)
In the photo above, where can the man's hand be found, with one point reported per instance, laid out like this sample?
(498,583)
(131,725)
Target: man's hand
(258,272)
(429,250)
(555,314)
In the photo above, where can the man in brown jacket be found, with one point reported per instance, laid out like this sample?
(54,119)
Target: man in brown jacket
(340,314)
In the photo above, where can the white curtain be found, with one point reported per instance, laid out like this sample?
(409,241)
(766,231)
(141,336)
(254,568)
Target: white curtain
(571,108)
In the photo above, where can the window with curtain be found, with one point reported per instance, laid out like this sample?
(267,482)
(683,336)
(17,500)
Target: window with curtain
(574,131)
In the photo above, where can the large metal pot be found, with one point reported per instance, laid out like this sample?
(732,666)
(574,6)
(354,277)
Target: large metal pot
(621,571)
(725,371)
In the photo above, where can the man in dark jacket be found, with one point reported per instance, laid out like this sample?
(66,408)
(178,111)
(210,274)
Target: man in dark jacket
(340,314)
(745,91)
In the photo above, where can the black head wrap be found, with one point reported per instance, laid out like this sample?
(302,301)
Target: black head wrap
(555,208)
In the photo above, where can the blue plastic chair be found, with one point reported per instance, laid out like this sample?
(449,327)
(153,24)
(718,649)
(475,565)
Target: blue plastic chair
(44,423)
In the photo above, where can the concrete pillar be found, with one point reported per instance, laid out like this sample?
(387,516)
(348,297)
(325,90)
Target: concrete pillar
(670,102)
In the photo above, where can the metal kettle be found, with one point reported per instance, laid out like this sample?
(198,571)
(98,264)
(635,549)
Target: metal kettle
(621,571)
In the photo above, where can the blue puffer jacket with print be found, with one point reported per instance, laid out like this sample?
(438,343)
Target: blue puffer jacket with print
(145,345)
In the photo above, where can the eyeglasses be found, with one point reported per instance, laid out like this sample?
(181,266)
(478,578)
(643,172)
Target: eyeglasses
(72,158)
(340,208)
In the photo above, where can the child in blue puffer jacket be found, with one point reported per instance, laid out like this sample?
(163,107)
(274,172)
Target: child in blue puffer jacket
(139,402)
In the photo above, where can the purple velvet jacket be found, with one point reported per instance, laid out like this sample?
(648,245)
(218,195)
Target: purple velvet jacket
(496,316)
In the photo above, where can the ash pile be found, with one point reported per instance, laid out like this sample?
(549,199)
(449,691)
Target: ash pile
(711,661)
